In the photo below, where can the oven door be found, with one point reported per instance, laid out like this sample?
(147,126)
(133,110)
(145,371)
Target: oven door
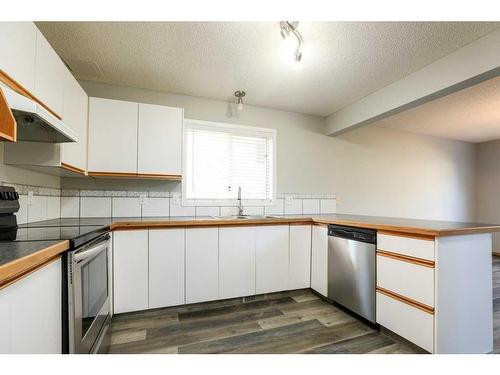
(88,292)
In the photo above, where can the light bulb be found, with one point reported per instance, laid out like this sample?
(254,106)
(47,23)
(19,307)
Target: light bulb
(298,56)
(240,105)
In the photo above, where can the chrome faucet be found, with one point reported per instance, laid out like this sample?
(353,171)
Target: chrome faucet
(240,206)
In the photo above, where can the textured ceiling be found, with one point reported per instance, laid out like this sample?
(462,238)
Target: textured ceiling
(342,61)
(471,115)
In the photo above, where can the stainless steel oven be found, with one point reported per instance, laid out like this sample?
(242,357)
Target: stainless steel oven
(88,295)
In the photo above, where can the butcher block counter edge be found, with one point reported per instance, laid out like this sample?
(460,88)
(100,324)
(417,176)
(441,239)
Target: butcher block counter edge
(22,267)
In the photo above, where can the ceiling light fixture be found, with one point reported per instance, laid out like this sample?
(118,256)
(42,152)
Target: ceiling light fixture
(288,27)
(240,95)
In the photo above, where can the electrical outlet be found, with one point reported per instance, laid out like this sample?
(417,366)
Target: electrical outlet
(288,200)
(143,198)
(30,197)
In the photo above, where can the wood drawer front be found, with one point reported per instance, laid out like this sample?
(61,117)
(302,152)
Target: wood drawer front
(414,247)
(407,279)
(407,321)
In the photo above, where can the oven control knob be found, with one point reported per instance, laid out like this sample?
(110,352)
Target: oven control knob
(16,195)
(3,195)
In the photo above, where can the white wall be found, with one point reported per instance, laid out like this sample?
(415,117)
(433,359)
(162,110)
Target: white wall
(373,171)
(488,186)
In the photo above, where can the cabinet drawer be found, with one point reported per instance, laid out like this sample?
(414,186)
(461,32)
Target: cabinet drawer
(415,247)
(410,280)
(407,321)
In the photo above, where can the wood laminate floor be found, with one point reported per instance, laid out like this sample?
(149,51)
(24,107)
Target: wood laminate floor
(288,322)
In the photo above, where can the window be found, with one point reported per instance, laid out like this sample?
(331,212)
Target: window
(218,158)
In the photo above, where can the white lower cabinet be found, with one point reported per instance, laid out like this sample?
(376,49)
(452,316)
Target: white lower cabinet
(202,264)
(31,314)
(319,259)
(299,272)
(407,321)
(166,267)
(236,261)
(272,257)
(130,271)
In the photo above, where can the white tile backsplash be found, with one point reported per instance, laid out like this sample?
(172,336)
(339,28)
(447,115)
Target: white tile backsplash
(126,207)
(228,211)
(95,207)
(294,208)
(253,210)
(207,211)
(276,209)
(156,207)
(178,210)
(37,208)
(70,206)
(53,208)
(328,206)
(22,214)
(310,206)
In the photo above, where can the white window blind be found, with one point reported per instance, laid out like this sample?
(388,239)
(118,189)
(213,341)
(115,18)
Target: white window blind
(221,157)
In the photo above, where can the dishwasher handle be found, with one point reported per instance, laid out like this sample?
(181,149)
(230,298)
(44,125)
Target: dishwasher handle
(352,233)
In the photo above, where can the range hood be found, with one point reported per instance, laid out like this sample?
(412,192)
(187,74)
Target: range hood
(36,122)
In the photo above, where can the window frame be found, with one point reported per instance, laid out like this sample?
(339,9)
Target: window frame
(228,202)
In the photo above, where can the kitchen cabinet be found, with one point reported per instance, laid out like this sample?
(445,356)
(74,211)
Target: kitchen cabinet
(130,271)
(112,136)
(166,267)
(236,261)
(160,140)
(31,313)
(75,116)
(272,247)
(17,52)
(202,264)
(49,75)
(319,259)
(299,273)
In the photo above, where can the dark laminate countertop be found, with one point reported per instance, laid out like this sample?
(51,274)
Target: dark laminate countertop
(16,255)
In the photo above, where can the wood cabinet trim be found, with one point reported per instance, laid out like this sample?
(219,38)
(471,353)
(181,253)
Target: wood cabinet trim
(418,305)
(20,268)
(17,87)
(8,125)
(407,235)
(71,168)
(406,258)
(151,176)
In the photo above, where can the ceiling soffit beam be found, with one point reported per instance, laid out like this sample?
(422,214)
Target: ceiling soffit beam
(474,63)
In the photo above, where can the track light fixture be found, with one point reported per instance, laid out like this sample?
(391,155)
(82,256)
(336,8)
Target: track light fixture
(240,95)
(287,27)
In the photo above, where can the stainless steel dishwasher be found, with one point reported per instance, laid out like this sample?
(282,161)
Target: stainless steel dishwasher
(351,269)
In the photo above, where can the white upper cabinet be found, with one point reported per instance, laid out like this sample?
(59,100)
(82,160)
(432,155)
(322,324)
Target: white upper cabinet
(236,261)
(31,313)
(166,267)
(319,259)
(130,271)
(299,274)
(49,75)
(202,264)
(75,116)
(17,52)
(160,140)
(112,136)
(272,258)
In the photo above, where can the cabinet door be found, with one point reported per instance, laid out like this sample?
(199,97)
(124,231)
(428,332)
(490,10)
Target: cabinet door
(272,257)
(166,267)
(17,52)
(236,262)
(299,275)
(319,261)
(49,75)
(5,321)
(35,316)
(160,139)
(75,116)
(130,270)
(112,136)
(202,264)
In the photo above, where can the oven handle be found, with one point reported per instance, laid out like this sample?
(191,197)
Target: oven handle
(90,252)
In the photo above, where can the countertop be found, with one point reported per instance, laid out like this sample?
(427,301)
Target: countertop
(17,258)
